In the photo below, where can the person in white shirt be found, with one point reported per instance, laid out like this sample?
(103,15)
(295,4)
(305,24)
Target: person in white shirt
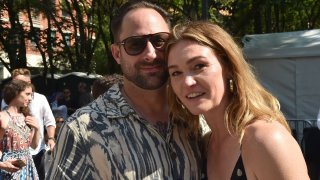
(41,110)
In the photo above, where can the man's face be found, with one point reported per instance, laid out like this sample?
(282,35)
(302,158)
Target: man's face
(147,69)
(23,78)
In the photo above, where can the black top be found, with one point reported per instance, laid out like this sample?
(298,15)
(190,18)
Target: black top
(238,172)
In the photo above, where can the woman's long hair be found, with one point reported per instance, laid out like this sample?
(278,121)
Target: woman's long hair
(250,100)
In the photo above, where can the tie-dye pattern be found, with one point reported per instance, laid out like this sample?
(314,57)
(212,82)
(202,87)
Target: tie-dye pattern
(108,140)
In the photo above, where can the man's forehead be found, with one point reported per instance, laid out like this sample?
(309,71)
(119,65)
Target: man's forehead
(142,21)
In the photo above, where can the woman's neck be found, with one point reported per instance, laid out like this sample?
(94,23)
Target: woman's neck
(216,122)
(13,109)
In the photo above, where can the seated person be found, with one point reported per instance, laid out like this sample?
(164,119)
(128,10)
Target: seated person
(59,111)
(66,99)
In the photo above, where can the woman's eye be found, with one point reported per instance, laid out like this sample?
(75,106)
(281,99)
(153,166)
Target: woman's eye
(199,66)
(174,73)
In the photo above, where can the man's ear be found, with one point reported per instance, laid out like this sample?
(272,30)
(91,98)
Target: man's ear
(115,50)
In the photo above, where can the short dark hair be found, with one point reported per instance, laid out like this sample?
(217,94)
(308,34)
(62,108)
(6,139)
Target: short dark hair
(117,19)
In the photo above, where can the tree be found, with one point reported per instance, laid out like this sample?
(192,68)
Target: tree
(265,16)
(77,35)
(12,35)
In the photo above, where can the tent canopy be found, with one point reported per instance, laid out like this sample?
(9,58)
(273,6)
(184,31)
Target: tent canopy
(288,65)
(70,80)
(278,45)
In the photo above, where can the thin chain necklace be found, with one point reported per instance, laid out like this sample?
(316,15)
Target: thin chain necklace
(162,127)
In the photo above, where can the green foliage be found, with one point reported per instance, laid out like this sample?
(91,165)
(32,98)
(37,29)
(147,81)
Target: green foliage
(86,25)
(264,16)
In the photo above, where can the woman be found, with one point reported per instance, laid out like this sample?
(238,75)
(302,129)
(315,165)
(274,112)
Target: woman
(18,131)
(250,137)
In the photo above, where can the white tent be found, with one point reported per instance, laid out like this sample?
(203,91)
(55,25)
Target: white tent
(288,64)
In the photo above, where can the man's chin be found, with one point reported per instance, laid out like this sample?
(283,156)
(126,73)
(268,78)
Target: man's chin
(152,84)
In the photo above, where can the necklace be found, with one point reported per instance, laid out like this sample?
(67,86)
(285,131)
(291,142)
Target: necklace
(21,127)
(19,119)
(161,126)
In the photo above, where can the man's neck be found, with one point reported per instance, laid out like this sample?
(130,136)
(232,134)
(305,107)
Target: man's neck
(149,104)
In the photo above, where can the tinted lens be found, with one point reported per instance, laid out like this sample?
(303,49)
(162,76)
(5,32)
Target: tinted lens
(159,40)
(135,45)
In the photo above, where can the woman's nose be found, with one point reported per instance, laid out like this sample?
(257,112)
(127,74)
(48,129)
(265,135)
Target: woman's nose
(189,80)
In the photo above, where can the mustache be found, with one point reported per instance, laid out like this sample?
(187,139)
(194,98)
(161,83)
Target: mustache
(156,62)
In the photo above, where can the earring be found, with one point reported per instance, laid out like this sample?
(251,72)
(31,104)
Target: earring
(231,86)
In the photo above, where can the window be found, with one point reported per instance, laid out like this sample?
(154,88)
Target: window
(34,36)
(68,38)
(53,39)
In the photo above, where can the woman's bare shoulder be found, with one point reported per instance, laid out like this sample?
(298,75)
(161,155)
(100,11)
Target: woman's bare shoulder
(267,131)
(269,151)
(3,118)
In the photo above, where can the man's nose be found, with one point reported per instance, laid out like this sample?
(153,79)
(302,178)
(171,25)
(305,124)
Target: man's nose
(150,52)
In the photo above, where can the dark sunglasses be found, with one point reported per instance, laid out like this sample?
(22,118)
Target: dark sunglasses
(135,45)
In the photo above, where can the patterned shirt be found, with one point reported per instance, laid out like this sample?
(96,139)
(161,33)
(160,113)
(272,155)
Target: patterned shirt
(108,140)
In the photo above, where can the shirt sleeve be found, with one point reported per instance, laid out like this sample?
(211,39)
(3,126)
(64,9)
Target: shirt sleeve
(3,105)
(69,155)
(48,118)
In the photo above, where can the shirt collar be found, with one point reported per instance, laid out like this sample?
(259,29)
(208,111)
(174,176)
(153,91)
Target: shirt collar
(116,105)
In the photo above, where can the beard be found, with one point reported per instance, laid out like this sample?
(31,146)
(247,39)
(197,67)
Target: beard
(148,81)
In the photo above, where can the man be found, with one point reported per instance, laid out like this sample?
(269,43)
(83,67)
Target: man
(127,132)
(40,109)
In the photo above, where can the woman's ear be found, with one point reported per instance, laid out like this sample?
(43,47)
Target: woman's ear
(115,50)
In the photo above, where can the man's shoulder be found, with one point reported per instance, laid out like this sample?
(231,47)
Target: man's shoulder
(97,110)
(109,106)
(38,96)
(89,122)
(39,101)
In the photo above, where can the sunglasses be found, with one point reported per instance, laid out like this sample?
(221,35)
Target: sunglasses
(135,45)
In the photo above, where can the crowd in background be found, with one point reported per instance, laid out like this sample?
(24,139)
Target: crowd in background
(37,119)
(64,102)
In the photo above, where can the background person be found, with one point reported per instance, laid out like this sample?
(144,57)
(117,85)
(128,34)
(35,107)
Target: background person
(59,111)
(18,131)
(84,96)
(128,133)
(40,109)
(250,136)
(67,100)
(101,85)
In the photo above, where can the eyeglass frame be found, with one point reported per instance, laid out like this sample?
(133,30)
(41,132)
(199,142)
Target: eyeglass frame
(147,36)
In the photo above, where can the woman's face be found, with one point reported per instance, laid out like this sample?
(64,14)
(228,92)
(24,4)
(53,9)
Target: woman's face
(24,98)
(196,76)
